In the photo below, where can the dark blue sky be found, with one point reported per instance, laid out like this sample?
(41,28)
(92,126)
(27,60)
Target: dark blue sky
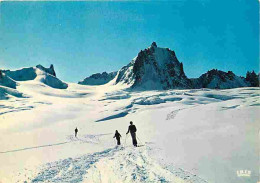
(82,38)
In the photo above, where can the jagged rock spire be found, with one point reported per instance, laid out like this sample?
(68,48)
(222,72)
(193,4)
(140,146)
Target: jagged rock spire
(154,68)
(154,45)
(52,69)
(48,70)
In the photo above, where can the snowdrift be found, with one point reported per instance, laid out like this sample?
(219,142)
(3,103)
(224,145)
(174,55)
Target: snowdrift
(6,93)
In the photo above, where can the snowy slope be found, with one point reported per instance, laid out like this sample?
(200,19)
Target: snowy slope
(154,68)
(50,80)
(112,165)
(193,135)
(6,93)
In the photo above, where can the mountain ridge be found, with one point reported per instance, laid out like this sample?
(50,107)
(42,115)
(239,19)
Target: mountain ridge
(98,78)
(159,68)
(154,68)
(44,75)
(166,72)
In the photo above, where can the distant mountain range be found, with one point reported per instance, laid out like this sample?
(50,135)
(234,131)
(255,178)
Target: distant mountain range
(159,68)
(153,68)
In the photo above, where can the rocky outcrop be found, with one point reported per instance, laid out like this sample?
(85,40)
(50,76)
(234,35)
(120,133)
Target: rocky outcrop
(217,79)
(154,68)
(252,78)
(50,70)
(7,81)
(98,79)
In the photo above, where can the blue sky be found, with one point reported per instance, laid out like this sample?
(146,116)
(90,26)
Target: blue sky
(82,38)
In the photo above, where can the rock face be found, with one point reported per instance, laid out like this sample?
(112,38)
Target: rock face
(159,68)
(252,78)
(50,70)
(98,79)
(7,81)
(39,73)
(23,74)
(217,79)
(154,68)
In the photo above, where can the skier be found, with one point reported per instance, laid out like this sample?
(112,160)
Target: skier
(76,131)
(132,129)
(117,136)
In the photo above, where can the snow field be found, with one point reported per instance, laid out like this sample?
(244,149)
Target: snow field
(189,135)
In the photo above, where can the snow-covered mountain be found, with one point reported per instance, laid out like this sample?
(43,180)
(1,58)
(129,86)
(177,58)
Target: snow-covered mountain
(154,68)
(217,79)
(38,73)
(159,68)
(50,70)
(50,80)
(98,78)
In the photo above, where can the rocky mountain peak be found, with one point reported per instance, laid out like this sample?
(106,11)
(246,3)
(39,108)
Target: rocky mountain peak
(50,70)
(154,45)
(154,68)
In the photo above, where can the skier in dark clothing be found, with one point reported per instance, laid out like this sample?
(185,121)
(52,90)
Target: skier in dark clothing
(117,136)
(132,129)
(76,131)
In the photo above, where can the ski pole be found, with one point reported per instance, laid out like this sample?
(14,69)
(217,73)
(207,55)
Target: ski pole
(140,140)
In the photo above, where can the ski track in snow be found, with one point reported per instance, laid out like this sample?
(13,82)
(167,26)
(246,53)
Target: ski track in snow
(88,138)
(91,139)
(172,114)
(36,147)
(117,164)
